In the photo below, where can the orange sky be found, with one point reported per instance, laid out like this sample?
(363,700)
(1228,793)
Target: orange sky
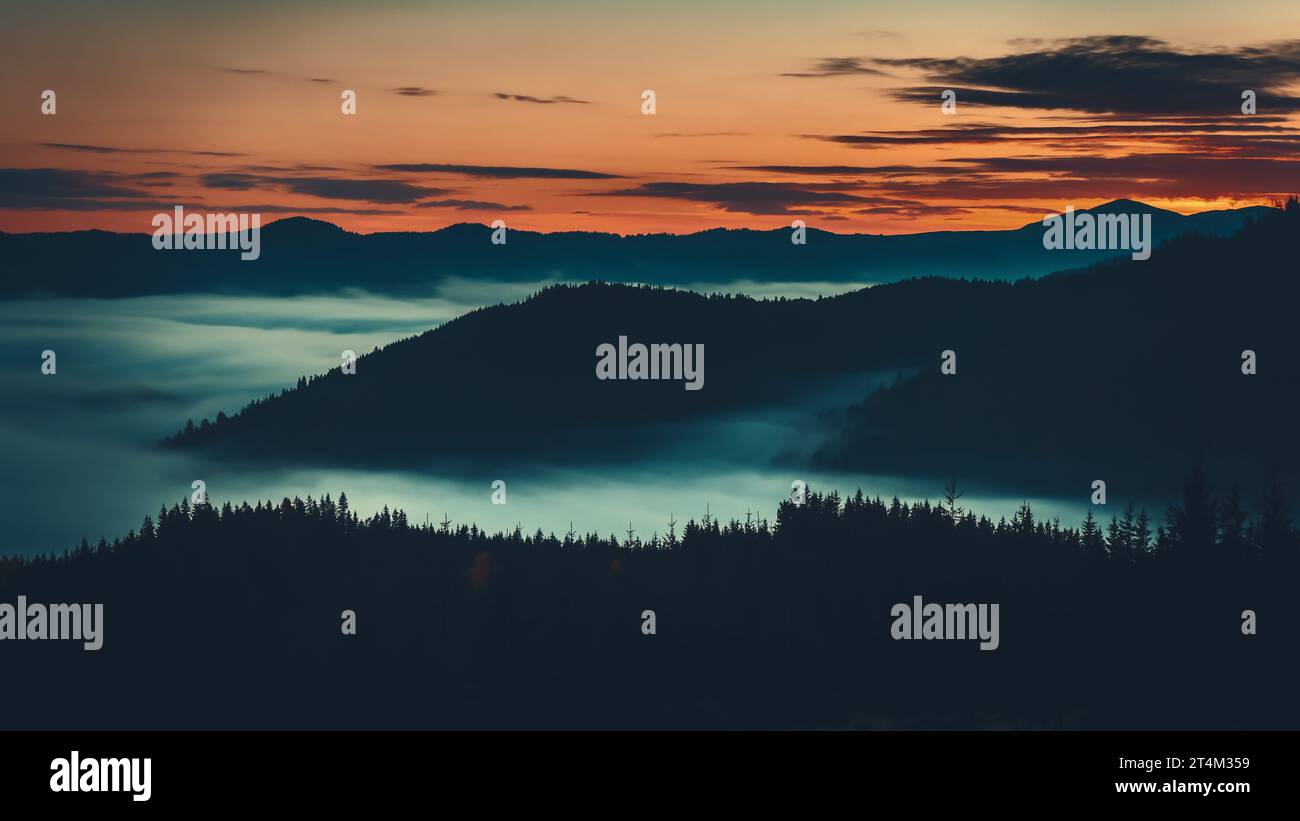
(766,112)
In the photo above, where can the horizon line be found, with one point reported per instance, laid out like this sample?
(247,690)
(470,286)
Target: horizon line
(716,228)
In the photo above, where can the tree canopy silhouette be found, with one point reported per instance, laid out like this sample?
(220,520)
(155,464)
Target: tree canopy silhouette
(229,617)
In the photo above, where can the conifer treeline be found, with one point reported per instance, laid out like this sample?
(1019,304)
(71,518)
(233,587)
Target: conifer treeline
(1201,524)
(230,617)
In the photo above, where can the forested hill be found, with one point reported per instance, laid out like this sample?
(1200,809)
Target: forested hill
(1131,369)
(231,618)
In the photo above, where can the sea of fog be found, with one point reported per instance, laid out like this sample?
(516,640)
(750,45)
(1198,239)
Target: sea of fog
(80,461)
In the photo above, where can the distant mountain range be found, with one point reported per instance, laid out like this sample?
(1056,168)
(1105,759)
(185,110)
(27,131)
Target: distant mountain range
(300,255)
(1130,371)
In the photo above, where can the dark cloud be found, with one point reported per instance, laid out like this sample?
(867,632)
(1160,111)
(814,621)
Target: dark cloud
(1213,138)
(235,182)
(298,209)
(1258,120)
(1137,176)
(52,189)
(524,98)
(910,209)
(835,170)
(107,149)
(747,197)
(498,171)
(1101,74)
(89,149)
(338,188)
(973,183)
(915,210)
(288,169)
(1184,156)
(56,188)
(838,67)
(472,205)
(1171,175)
(414,91)
(382,191)
(267,73)
(38,203)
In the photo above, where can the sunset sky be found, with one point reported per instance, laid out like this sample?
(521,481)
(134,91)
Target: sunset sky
(829,112)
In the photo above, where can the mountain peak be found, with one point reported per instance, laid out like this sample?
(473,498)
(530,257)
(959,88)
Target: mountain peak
(306,225)
(1128,206)
(1119,206)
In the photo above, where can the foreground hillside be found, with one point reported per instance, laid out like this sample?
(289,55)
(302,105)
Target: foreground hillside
(233,618)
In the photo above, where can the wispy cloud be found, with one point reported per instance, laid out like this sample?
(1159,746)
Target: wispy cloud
(339,188)
(108,149)
(524,98)
(414,91)
(838,67)
(280,208)
(1084,136)
(497,171)
(747,197)
(472,205)
(90,149)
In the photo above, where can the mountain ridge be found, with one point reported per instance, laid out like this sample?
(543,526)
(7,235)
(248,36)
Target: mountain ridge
(518,379)
(303,255)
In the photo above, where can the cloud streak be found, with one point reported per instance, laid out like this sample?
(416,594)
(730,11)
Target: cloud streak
(503,172)
(749,197)
(339,188)
(838,67)
(414,91)
(472,205)
(524,98)
(108,149)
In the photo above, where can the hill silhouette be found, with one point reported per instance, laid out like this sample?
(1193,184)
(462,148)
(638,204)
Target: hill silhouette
(1129,371)
(301,255)
(231,618)
(1084,375)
